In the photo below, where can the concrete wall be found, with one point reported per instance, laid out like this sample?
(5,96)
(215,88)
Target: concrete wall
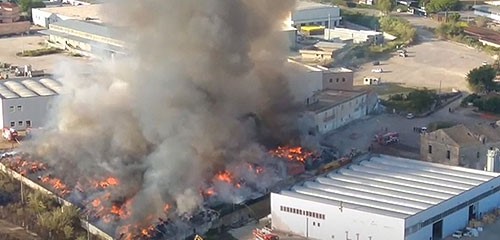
(466,156)
(491,16)
(440,145)
(303,84)
(340,115)
(339,223)
(338,80)
(33,109)
(14,28)
(459,218)
(26,181)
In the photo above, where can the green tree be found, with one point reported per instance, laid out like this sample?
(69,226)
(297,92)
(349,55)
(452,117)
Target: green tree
(421,99)
(454,17)
(398,27)
(385,6)
(481,79)
(435,6)
(449,30)
(27,5)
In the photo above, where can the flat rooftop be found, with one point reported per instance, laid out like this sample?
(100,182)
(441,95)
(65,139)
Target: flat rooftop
(79,12)
(25,88)
(303,5)
(391,186)
(331,98)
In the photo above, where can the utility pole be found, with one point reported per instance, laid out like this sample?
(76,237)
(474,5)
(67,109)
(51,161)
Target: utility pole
(88,226)
(439,86)
(329,26)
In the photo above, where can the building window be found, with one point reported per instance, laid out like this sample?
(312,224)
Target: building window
(19,108)
(448,154)
(477,154)
(11,108)
(331,80)
(430,149)
(12,124)
(343,79)
(20,123)
(314,223)
(337,79)
(319,225)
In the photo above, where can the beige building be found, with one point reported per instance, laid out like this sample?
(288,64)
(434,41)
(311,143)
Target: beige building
(306,80)
(84,37)
(10,14)
(332,109)
(460,145)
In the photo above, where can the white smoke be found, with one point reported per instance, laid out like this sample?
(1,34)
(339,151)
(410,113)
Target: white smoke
(168,116)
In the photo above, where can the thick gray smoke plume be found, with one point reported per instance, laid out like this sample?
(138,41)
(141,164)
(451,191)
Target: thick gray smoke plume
(202,87)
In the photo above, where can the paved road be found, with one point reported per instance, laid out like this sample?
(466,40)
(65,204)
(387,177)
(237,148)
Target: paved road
(360,134)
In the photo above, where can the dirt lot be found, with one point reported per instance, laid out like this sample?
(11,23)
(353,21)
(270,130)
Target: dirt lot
(429,63)
(9,46)
(15,231)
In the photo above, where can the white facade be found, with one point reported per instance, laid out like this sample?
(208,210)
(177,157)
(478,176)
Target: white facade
(335,108)
(311,13)
(386,198)
(45,16)
(304,81)
(25,103)
(491,12)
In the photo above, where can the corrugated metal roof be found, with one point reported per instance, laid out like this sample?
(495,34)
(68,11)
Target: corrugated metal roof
(405,189)
(88,27)
(27,88)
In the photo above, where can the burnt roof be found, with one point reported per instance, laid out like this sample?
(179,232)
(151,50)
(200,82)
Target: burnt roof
(484,34)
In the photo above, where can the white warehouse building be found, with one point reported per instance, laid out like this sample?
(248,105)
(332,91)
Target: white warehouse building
(25,103)
(386,198)
(312,13)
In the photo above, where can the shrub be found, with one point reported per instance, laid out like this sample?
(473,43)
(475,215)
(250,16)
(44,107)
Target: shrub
(38,52)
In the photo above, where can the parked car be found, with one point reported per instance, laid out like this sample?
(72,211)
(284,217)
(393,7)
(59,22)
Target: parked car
(485,63)
(410,115)
(377,70)
(457,234)
(376,63)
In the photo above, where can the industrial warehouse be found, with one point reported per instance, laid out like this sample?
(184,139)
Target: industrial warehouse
(386,197)
(25,102)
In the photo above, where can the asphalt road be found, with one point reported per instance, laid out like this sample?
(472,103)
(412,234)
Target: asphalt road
(359,134)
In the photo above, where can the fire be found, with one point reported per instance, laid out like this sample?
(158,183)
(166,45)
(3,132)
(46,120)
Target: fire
(57,184)
(166,208)
(96,203)
(111,181)
(225,176)
(292,153)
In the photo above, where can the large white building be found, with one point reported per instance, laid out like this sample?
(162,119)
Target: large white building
(46,16)
(25,103)
(312,13)
(386,198)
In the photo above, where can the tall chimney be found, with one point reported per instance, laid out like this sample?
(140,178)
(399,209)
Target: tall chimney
(492,164)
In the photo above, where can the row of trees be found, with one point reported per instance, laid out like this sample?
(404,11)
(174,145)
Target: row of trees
(399,27)
(38,212)
(481,81)
(431,6)
(418,100)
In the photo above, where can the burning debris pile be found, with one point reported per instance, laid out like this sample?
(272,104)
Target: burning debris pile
(113,213)
(149,142)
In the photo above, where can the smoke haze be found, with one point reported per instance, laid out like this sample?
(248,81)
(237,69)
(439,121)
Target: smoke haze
(202,87)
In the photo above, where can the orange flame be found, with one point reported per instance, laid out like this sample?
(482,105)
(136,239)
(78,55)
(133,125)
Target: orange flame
(225,176)
(292,153)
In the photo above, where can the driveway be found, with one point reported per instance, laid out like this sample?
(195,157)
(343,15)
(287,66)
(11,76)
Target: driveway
(359,134)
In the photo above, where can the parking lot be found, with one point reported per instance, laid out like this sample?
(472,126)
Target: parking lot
(9,46)
(431,63)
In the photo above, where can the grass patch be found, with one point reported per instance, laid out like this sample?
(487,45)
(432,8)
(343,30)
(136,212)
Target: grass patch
(368,21)
(38,52)
(433,126)
(385,89)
